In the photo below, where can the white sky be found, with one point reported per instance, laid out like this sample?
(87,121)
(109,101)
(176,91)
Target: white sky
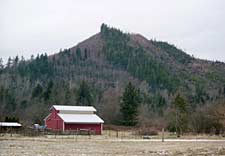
(38,26)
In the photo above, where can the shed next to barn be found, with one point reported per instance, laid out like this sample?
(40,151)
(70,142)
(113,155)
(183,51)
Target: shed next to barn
(67,118)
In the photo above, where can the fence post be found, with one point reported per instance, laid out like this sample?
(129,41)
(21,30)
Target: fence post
(162,134)
(76,134)
(89,133)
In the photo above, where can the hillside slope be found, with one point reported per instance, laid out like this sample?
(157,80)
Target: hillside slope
(106,61)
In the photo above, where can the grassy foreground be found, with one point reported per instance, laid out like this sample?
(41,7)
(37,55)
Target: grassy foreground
(106,145)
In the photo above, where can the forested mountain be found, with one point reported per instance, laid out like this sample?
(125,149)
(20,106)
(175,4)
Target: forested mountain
(95,72)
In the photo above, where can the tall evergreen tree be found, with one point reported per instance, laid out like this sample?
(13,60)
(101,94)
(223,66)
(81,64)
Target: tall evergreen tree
(129,105)
(1,64)
(84,96)
(181,114)
(37,91)
(9,63)
(78,53)
(48,91)
(16,61)
(85,54)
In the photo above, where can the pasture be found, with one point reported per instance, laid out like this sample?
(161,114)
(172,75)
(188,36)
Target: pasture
(109,144)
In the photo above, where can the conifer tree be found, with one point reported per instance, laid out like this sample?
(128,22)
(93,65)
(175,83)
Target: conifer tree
(1,64)
(181,114)
(129,105)
(9,63)
(84,96)
(78,53)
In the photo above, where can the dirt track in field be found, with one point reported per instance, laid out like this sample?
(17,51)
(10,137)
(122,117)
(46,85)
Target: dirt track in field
(42,146)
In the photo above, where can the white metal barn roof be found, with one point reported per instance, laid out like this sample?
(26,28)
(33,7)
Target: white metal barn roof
(10,124)
(74,108)
(81,118)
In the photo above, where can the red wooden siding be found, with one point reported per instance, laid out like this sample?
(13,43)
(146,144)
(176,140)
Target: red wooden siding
(73,126)
(53,121)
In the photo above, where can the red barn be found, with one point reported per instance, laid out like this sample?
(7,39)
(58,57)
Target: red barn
(67,118)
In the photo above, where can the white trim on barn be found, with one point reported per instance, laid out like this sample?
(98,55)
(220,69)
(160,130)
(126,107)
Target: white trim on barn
(47,117)
(63,126)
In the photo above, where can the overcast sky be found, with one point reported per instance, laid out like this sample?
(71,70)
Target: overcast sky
(44,26)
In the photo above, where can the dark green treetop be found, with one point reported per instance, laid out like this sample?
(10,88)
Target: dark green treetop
(129,105)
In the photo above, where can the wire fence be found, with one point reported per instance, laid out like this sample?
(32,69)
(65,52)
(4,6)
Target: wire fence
(74,134)
(90,134)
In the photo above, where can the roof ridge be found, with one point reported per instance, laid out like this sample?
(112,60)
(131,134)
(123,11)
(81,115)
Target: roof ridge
(74,108)
(71,106)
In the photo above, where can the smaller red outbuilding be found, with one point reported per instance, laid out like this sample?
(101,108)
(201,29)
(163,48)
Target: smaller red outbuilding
(67,118)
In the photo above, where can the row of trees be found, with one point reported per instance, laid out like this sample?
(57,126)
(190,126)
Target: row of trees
(83,94)
(180,118)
